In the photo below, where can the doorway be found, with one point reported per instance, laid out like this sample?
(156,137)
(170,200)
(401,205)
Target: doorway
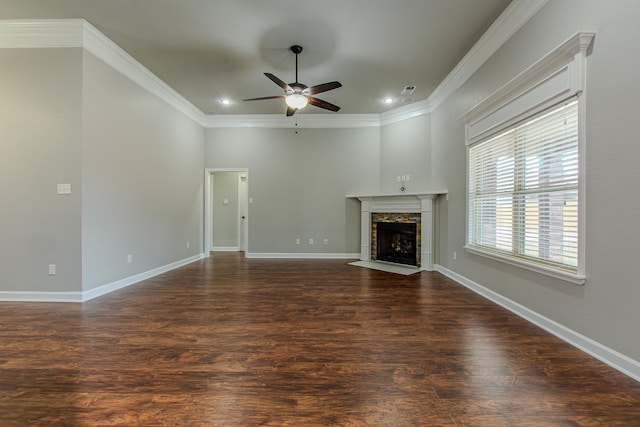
(226,210)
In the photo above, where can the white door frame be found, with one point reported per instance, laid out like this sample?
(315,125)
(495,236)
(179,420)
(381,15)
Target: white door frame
(243,209)
(208,218)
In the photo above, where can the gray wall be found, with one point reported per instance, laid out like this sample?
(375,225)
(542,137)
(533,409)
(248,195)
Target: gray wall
(405,149)
(142,175)
(40,117)
(134,163)
(606,308)
(298,182)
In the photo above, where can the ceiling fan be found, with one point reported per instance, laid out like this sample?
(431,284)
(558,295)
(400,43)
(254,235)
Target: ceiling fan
(298,95)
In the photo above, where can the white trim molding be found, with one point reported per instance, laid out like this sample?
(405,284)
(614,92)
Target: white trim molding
(225,248)
(611,357)
(555,77)
(36,296)
(421,203)
(508,23)
(300,121)
(65,33)
(406,112)
(41,33)
(111,54)
(302,255)
(74,296)
(128,281)
(78,33)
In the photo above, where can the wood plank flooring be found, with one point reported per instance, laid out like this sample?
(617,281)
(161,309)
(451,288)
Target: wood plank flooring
(232,342)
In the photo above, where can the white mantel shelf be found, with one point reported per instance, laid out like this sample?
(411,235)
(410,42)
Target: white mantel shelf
(418,195)
(421,202)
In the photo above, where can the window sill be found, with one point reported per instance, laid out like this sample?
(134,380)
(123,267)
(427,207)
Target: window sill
(577,279)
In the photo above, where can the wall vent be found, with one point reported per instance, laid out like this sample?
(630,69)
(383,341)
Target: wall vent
(408,90)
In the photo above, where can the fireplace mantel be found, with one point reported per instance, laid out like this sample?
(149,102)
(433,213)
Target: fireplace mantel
(399,203)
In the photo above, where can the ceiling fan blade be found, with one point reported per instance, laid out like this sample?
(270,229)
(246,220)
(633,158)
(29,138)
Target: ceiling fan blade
(324,87)
(264,97)
(279,82)
(322,104)
(290,111)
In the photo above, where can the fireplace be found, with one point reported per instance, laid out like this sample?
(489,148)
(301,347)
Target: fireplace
(396,242)
(398,208)
(396,237)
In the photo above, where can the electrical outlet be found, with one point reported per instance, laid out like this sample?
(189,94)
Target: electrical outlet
(455,256)
(52,269)
(297,241)
(311,241)
(129,259)
(64,188)
(188,245)
(326,241)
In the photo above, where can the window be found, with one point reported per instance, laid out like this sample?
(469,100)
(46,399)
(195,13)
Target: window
(523,190)
(525,166)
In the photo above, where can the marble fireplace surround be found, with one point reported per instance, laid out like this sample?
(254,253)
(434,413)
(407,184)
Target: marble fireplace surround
(401,203)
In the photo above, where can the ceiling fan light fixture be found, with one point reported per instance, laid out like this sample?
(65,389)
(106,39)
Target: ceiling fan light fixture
(296,101)
(298,95)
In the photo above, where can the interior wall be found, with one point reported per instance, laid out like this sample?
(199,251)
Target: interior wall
(40,148)
(298,180)
(405,149)
(142,179)
(606,308)
(225,215)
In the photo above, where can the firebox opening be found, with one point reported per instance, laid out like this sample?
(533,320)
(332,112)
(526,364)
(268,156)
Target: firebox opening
(396,242)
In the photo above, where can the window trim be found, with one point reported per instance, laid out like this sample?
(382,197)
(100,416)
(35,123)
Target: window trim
(559,75)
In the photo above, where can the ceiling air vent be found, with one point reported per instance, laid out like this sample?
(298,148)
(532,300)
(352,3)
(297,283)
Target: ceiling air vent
(408,90)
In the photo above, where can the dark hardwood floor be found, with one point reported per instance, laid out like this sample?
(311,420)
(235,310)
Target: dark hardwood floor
(234,342)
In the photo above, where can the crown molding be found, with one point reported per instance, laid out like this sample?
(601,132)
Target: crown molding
(41,33)
(301,121)
(111,54)
(406,112)
(66,33)
(507,24)
(78,33)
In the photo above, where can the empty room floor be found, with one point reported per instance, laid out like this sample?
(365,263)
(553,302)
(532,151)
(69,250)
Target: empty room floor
(229,341)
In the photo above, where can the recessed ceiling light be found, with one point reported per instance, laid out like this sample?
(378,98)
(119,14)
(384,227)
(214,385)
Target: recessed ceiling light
(225,101)
(388,100)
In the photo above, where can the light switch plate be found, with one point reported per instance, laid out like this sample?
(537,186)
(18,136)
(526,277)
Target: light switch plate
(64,188)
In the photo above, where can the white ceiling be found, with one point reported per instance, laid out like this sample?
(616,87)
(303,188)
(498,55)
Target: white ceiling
(213,49)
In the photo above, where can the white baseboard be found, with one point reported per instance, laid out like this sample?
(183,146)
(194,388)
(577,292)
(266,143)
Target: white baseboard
(128,281)
(74,296)
(301,255)
(22,296)
(225,249)
(616,360)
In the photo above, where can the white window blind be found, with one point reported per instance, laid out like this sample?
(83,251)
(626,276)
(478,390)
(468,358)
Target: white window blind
(523,190)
